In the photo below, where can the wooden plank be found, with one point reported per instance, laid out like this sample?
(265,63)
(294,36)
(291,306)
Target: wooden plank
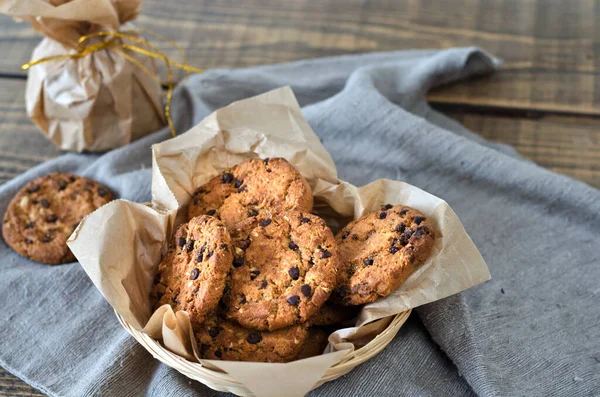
(550,47)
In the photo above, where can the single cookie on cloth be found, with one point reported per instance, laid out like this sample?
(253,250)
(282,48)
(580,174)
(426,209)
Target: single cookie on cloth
(252,189)
(379,251)
(220,339)
(42,216)
(284,269)
(191,276)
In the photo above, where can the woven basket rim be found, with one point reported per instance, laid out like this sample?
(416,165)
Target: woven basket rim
(222,381)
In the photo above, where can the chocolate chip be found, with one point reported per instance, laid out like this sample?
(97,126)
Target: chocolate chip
(293,246)
(33,189)
(197,200)
(293,300)
(386,207)
(211,212)
(245,244)
(199,257)
(382,215)
(325,254)
(426,229)
(394,249)
(237,183)
(268,170)
(209,254)
(227,177)
(194,274)
(419,233)
(306,290)
(214,331)
(223,246)
(263,285)
(355,237)
(190,245)
(252,212)
(204,348)
(243,300)
(400,228)
(29,242)
(47,238)
(102,192)
(218,354)
(72,178)
(403,212)
(345,234)
(368,262)
(253,338)
(311,262)
(238,261)
(304,220)
(51,218)
(294,273)
(180,241)
(29,225)
(45,203)
(62,185)
(242,189)
(254,273)
(265,222)
(418,220)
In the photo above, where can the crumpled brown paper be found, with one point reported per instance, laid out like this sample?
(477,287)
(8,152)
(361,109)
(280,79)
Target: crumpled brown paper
(97,102)
(119,245)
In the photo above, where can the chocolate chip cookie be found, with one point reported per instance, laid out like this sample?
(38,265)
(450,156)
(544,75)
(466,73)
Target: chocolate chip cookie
(252,189)
(315,343)
(379,251)
(220,339)
(42,216)
(191,276)
(284,269)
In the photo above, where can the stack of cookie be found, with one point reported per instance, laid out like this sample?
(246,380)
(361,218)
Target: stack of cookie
(263,279)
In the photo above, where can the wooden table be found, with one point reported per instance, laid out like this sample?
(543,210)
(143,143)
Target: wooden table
(545,101)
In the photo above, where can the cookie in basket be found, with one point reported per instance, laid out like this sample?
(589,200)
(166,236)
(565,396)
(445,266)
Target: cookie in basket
(191,276)
(42,215)
(315,343)
(220,339)
(284,270)
(252,189)
(379,251)
(333,314)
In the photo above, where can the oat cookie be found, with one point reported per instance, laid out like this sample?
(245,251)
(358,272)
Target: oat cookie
(191,276)
(379,251)
(315,343)
(252,189)
(284,269)
(220,339)
(42,216)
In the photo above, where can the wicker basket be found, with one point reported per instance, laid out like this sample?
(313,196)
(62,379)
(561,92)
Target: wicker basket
(222,381)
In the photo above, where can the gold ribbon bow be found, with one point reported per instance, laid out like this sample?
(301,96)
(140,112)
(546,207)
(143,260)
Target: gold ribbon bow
(115,41)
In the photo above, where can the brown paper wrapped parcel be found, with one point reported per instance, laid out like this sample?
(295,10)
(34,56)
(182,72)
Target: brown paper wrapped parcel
(95,103)
(120,245)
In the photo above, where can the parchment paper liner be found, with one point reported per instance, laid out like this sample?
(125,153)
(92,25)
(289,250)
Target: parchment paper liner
(120,245)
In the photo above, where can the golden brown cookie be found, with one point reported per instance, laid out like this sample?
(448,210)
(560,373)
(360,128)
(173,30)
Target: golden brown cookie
(252,189)
(333,314)
(284,269)
(315,343)
(379,251)
(42,216)
(191,276)
(220,339)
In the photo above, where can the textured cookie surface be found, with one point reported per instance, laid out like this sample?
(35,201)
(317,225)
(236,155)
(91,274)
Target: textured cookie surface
(284,269)
(332,314)
(191,276)
(220,339)
(252,189)
(42,216)
(379,251)
(315,343)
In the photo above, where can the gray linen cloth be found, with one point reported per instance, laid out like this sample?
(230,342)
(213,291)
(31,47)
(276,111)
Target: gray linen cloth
(534,329)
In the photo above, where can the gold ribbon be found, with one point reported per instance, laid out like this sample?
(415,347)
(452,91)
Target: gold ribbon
(115,41)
